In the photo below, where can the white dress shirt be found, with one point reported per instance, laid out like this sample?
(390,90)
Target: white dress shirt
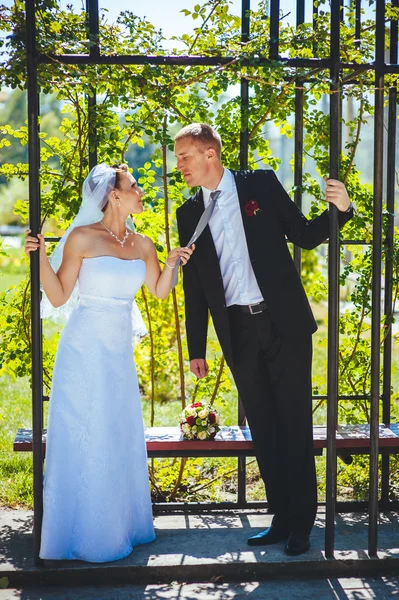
(227,229)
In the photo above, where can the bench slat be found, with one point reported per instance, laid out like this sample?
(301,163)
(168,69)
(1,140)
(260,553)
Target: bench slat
(238,439)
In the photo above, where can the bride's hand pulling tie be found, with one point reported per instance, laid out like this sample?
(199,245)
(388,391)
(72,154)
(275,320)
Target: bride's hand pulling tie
(183,253)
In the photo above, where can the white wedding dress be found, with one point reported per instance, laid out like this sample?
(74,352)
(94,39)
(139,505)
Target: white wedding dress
(97,503)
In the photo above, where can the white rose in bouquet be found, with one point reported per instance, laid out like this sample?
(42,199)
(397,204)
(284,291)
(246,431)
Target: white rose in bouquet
(203,414)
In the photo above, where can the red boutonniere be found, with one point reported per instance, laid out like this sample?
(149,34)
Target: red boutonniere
(252,208)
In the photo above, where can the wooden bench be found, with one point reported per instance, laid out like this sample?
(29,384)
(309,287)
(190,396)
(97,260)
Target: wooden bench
(236,441)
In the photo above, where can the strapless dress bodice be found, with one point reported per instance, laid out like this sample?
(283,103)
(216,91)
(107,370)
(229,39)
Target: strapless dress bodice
(110,280)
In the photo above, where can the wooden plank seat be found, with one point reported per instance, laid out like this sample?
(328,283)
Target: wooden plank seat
(236,441)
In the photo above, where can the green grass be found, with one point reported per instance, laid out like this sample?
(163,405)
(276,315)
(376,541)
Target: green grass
(13,268)
(7,280)
(15,468)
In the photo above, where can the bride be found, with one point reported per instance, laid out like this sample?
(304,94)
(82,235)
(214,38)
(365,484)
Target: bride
(97,503)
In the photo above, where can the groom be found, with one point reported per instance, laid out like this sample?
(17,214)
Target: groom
(243,274)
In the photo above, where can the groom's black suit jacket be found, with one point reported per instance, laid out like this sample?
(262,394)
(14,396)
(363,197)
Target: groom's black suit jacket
(266,233)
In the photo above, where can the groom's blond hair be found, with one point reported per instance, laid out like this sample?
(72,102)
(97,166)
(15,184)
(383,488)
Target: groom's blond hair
(202,134)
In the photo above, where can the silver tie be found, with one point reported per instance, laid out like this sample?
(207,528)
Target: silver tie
(202,223)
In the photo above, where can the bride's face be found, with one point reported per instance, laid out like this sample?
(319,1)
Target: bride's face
(130,194)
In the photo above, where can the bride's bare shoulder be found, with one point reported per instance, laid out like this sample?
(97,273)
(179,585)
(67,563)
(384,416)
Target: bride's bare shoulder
(140,238)
(143,242)
(81,236)
(84,231)
(92,228)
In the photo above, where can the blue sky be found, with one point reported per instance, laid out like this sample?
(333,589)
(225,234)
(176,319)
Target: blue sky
(166,14)
(163,14)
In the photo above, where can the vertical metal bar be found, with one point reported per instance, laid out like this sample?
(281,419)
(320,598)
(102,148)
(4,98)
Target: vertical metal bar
(298,156)
(358,22)
(94,29)
(300,12)
(388,293)
(242,481)
(245,26)
(376,276)
(242,463)
(274,28)
(333,286)
(245,29)
(34,225)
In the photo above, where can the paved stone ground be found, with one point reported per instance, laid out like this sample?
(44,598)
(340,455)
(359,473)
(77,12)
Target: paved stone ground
(319,589)
(213,537)
(198,547)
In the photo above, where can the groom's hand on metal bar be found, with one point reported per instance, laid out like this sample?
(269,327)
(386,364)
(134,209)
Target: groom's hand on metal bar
(336,194)
(199,367)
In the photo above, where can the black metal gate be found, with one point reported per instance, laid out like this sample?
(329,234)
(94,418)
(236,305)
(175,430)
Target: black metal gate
(333,63)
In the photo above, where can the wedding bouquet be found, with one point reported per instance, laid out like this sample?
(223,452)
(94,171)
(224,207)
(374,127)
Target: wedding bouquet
(199,421)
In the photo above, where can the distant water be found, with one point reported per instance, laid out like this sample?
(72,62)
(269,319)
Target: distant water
(12,241)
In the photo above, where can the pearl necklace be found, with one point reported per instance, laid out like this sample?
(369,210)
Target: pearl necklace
(115,236)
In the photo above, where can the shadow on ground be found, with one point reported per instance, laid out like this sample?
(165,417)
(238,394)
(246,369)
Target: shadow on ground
(382,588)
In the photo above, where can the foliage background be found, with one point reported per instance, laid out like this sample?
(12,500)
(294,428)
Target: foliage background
(140,108)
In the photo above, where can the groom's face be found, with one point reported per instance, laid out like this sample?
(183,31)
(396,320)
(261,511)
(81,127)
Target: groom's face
(193,161)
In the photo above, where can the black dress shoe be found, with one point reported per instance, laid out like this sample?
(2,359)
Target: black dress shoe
(272,535)
(297,543)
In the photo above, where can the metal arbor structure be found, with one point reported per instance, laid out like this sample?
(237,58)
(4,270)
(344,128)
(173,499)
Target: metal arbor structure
(335,66)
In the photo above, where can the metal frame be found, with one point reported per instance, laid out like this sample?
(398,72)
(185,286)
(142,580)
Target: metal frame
(335,66)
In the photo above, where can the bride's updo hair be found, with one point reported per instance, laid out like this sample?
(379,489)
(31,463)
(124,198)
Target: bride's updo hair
(119,169)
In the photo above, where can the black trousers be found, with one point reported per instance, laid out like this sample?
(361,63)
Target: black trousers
(273,379)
